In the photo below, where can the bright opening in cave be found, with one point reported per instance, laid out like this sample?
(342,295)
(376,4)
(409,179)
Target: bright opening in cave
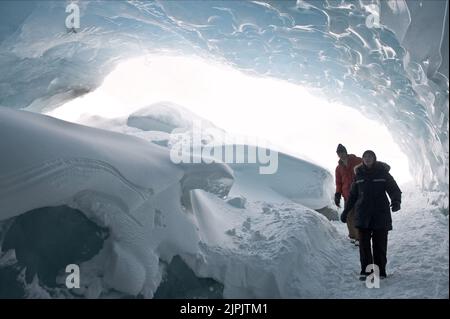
(287,115)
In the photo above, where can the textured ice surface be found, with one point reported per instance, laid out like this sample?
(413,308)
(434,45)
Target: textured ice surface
(395,72)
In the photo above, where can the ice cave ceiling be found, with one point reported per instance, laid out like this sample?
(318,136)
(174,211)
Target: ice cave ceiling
(394,71)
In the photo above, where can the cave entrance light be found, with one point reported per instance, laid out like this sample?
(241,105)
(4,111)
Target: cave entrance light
(286,114)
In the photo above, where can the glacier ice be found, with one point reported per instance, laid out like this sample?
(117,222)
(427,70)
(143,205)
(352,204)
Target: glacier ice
(396,73)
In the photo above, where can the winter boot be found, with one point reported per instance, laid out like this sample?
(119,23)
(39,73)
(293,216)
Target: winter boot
(363,275)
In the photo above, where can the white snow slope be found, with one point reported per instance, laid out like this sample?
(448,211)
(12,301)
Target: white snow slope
(156,210)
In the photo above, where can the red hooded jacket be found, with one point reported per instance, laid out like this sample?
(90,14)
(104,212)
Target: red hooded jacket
(345,174)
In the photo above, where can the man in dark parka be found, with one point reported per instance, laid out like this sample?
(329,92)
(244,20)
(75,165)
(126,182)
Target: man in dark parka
(372,210)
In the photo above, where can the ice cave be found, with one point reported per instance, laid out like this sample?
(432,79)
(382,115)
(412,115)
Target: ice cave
(96,95)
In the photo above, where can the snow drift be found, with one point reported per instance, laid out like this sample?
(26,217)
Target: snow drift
(129,186)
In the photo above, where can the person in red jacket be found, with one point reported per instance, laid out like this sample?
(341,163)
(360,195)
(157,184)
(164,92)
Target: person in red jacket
(344,178)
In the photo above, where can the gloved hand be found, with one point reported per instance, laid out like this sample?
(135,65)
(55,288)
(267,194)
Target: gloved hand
(344,216)
(395,206)
(337,199)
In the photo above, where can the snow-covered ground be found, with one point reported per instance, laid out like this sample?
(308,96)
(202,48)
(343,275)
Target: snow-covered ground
(257,235)
(417,253)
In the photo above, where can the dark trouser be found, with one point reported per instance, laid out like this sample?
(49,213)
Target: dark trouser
(379,243)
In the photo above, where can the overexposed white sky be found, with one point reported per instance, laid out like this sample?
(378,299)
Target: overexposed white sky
(285,114)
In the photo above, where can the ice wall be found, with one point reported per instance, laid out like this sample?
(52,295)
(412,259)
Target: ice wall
(376,56)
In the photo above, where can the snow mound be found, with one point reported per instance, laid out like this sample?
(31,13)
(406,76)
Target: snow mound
(50,161)
(164,117)
(267,250)
(131,186)
(295,179)
(112,178)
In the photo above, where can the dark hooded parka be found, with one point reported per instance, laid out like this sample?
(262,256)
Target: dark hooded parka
(368,196)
